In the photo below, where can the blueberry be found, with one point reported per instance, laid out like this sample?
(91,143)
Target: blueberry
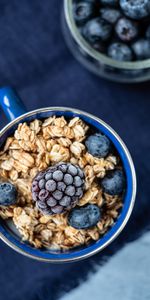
(97,30)
(109,2)
(126,30)
(135,9)
(110,15)
(148,32)
(120,51)
(8,194)
(99,46)
(141,49)
(84,217)
(98,145)
(83,11)
(114,182)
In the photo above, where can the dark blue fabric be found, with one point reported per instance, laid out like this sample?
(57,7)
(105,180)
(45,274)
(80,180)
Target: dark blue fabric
(35,60)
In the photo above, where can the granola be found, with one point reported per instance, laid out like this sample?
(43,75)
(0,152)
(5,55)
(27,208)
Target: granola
(35,147)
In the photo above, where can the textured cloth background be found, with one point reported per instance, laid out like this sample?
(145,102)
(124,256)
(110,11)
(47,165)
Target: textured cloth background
(125,276)
(35,60)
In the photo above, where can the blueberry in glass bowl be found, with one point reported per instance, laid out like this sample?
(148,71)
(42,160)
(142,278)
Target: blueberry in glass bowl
(110,37)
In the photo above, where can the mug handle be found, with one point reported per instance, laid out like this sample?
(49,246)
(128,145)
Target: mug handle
(11,104)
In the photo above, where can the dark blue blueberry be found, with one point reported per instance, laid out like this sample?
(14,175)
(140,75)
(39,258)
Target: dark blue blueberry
(110,15)
(126,30)
(97,30)
(120,51)
(83,11)
(8,194)
(99,46)
(135,9)
(98,145)
(84,217)
(109,2)
(148,32)
(141,49)
(114,182)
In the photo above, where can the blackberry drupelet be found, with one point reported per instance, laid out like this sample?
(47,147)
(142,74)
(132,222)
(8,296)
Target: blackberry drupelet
(58,188)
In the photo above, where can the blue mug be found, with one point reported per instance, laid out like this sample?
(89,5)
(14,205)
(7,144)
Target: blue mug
(16,113)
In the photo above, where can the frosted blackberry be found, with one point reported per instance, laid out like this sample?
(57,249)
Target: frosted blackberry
(58,188)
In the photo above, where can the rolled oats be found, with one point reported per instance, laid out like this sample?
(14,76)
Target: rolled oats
(35,147)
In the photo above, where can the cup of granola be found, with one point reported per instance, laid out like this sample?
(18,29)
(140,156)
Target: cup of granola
(67,182)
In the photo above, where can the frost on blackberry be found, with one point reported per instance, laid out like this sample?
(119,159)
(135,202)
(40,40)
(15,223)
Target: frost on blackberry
(61,192)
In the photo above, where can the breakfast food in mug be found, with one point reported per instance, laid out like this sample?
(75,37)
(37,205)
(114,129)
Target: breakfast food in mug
(62,182)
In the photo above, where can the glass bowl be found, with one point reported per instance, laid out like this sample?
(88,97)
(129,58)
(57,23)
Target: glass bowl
(96,62)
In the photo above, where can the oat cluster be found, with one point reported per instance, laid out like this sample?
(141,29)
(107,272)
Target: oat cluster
(33,148)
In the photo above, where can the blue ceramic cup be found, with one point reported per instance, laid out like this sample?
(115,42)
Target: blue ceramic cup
(15,112)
